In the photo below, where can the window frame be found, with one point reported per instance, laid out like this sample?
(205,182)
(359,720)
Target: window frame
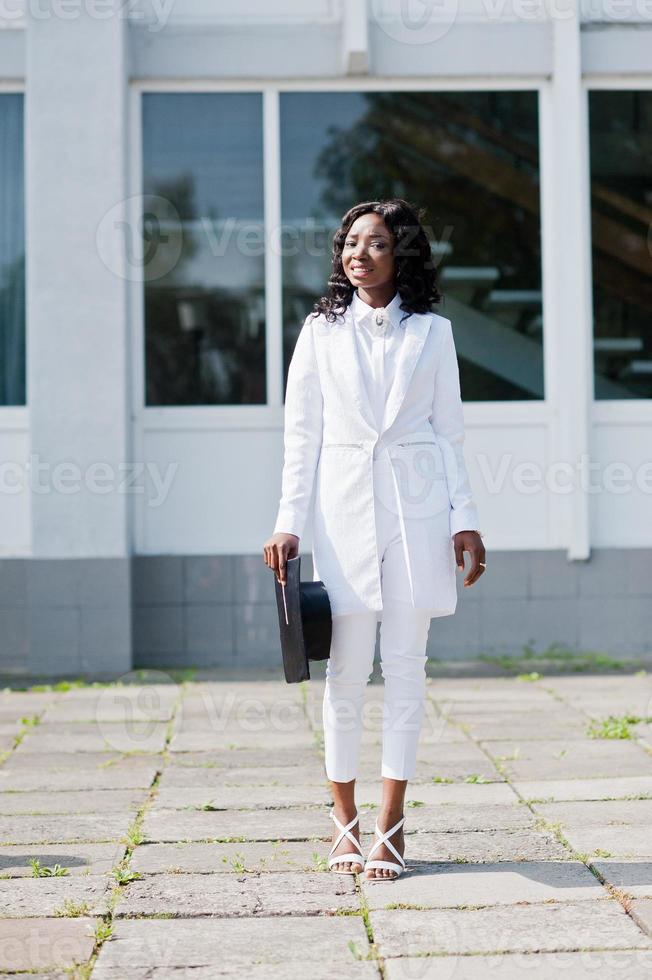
(270,415)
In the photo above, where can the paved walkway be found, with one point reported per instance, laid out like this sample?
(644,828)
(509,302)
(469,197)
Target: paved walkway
(176,830)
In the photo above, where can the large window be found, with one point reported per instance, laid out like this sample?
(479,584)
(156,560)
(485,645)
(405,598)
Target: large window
(621,216)
(12,252)
(203,248)
(472,158)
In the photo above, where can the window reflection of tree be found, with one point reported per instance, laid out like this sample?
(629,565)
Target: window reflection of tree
(203,345)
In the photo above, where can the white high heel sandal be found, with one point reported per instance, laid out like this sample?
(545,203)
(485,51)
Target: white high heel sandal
(357,858)
(383,838)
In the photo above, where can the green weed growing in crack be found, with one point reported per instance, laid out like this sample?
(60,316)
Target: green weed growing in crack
(124,875)
(30,721)
(616,726)
(475,778)
(43,871)
(72,909)
(404,905)
(319,862)
(238,862)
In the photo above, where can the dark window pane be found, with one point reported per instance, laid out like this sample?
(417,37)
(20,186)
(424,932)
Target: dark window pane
(204,248)
(621,212)
(472,159)
(12,252)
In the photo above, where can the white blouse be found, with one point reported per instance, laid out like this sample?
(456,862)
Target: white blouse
(378,336)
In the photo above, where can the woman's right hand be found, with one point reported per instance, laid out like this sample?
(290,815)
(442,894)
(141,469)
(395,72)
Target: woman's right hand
(277,550)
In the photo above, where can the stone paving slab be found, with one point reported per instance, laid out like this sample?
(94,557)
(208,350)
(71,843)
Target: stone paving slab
(526,729)
(296,824)
(601,813)
(472,794)
(284,893)
(641,911)
(237,741)
(52,762)
(303,757)
(28,702)
(10,728)
(71,801)
(624,965)
(255,971)
(243,947)
(565,790)
(27,897)
(74,779)
(514,928)
(594,758)
(250,715)
(211,776)
(504,691)
(488,846)
(74,828)
(79,859)
(289,824)
(45,944)
(634,842)
(486,711)
(108,738)
(113,704)
(507,883)
(423,848)
(631,877)
(22,897)
(242,797)
(252,856)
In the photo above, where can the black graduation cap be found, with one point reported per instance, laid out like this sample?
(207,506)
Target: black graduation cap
(304,617)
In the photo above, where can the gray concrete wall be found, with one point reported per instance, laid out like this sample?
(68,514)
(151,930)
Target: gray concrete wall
(66,617)
(222,610)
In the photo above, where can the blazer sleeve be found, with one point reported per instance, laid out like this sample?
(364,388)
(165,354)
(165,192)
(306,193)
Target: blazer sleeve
(448,421)
(302,433)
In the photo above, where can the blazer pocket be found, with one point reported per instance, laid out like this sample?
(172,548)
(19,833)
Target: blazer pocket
(341,445)
(420,475)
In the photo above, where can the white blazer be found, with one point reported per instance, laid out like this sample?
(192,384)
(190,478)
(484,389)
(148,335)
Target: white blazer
(331,441)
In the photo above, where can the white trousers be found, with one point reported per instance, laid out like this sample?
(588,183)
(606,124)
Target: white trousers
(403,637)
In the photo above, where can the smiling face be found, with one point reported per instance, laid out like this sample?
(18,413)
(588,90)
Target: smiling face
(367,255)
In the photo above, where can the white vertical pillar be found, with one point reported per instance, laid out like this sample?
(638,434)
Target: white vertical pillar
(355,37)
(570,362)
(76,292)
(79,612)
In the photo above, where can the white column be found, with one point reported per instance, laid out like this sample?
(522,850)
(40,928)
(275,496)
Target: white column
(567,229)
(355,38)
(76,291)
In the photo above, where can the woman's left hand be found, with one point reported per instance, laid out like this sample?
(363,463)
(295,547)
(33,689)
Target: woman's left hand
(470,541)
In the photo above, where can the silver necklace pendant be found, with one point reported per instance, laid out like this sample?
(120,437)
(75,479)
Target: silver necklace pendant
(380,317)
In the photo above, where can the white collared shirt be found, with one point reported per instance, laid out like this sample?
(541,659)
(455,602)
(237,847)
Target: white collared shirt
(378,347)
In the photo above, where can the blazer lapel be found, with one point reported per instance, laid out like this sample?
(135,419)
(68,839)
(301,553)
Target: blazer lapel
(347,364)
(416,331)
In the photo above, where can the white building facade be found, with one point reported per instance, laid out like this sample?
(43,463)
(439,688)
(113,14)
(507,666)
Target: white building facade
(172,174)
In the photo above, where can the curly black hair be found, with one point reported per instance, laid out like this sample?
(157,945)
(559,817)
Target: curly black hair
(416,273)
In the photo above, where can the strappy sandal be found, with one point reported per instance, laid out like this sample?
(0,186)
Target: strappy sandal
(358,857)
(383,838)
